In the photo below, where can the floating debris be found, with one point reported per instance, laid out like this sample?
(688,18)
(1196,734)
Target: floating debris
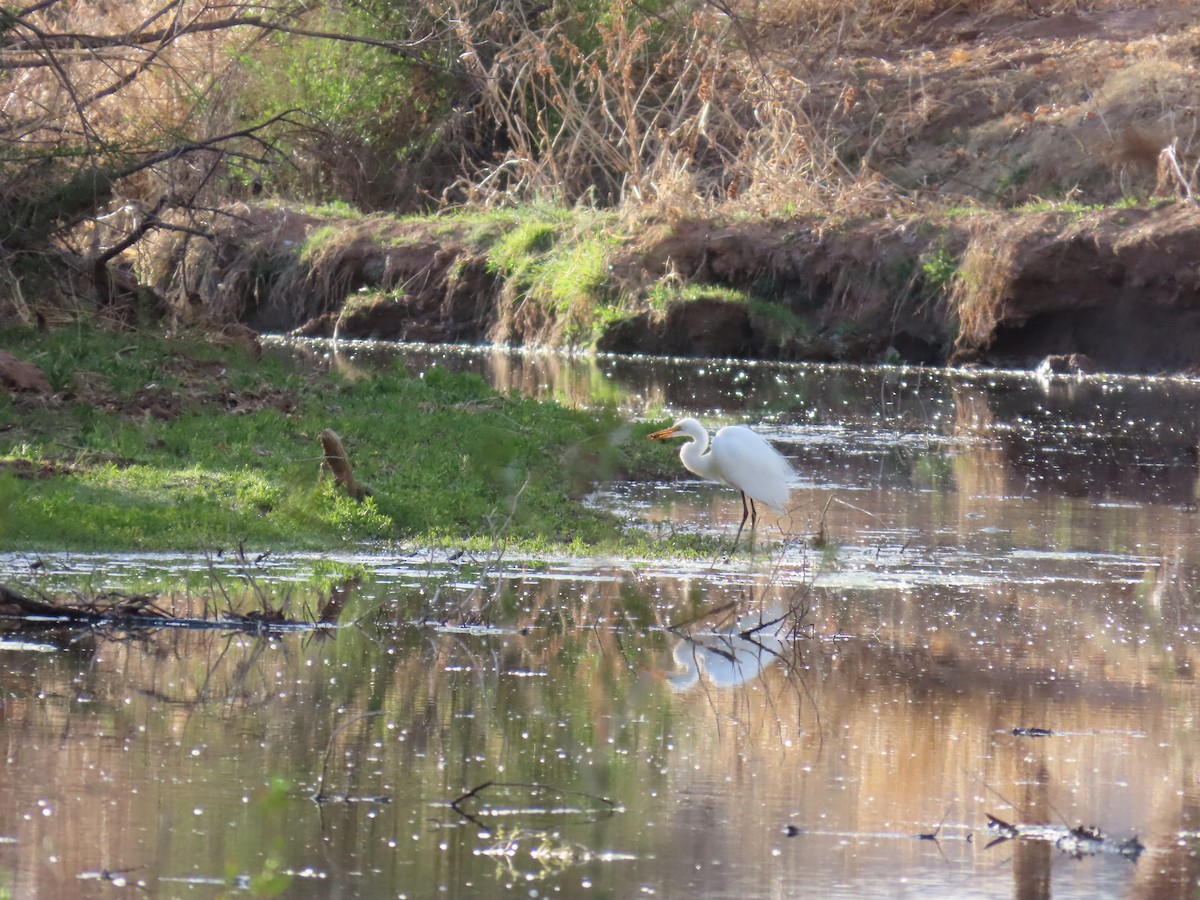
(506,800)
(547,850)
(1078,842)
(116,877)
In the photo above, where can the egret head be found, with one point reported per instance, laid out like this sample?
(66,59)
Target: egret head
(665,433)
(684,427)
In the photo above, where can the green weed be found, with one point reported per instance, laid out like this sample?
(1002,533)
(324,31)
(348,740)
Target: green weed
(938,267)
(665,292)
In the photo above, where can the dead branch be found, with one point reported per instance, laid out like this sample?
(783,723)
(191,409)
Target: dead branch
(320,796)
(601,806)
(1169,167)
(338,463)
(117,609)
(75,41)
(51,210)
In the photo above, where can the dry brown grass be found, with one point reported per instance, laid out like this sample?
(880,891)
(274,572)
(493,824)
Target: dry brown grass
(792,107)
(135,87)
(763,106)
(983,279)
(670,126)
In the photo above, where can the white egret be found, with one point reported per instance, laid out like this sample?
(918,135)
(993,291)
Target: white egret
(738,458)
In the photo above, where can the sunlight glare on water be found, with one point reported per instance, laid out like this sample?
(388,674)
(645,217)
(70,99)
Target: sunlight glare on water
(999,622)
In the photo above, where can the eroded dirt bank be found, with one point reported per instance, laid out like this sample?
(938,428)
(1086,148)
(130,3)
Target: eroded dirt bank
(950,132)
(1120,287)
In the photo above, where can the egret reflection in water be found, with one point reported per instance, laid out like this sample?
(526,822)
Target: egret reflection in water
(727,659)
(723,660)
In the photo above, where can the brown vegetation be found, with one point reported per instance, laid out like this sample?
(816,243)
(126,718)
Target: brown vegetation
(865,167)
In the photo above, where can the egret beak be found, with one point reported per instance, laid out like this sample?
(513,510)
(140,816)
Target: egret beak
(664,434)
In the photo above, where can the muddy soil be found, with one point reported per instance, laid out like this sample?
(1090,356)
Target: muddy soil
(1115,290)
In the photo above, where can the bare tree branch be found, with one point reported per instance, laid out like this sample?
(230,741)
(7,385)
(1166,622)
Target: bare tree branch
(76,41)
(51,214)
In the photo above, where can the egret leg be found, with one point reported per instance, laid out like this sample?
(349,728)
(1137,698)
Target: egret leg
(745,516)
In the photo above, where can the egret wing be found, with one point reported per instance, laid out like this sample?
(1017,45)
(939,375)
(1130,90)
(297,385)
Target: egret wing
(749,463)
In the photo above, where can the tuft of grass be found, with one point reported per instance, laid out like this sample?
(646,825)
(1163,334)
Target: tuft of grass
(515,252)
(334,209)
(1073,207)
(667,292)
(983,277)
(554,265)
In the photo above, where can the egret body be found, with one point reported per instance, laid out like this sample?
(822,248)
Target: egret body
(738,458)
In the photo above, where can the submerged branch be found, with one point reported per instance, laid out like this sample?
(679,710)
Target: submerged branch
(113,608)
(599,805)
(321,796)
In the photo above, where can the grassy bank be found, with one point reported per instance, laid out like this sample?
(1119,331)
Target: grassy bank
(150,443)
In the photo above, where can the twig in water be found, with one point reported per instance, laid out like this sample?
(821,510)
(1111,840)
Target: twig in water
(320,796)
(608,806)
(821,538)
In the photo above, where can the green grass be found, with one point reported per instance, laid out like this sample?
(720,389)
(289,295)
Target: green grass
(558,259)
(665,293)
(338,209)
(1074,206)
(448,460)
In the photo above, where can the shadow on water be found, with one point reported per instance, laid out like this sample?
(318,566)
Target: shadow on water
(1001,625)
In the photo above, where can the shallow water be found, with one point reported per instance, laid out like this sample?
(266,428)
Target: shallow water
(1003,555)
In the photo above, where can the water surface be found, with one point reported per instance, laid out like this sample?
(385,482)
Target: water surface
(1000,555)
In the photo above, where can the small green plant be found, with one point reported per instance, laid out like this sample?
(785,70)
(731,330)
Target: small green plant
(938,269)
(842,339)
(1013,178)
